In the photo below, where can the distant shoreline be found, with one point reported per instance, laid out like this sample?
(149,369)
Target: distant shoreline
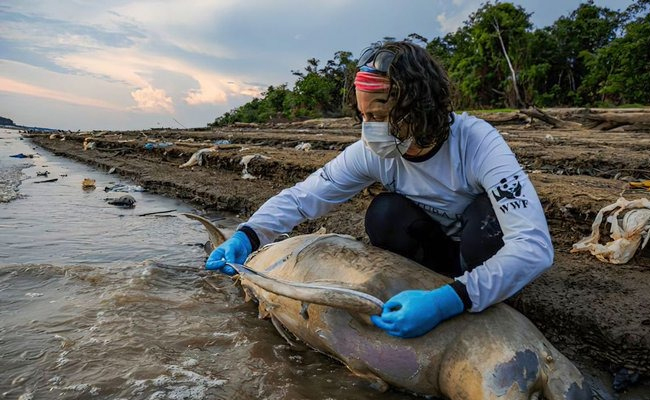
(27,128)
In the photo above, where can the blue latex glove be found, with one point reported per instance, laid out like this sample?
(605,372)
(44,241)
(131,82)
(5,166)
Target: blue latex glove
(413,313)
(234,250)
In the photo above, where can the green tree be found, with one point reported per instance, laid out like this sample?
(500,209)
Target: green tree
(619,73)
(593,55)
(577,37)
(487,56)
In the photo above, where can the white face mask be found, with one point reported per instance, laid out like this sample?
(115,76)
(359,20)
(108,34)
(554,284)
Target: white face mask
(376,137)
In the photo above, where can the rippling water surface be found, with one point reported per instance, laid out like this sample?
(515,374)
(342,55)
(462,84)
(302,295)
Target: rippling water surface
(102,302)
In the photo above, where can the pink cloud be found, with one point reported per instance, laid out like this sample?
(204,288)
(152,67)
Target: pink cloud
(152,100)
(13,86)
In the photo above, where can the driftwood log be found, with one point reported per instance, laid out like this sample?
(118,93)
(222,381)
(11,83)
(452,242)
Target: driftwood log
(636,119)
(509,117)
(534,112)
(612,120)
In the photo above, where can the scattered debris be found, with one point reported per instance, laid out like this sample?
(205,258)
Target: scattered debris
(221,141)
(247,159)
(112,170)
(88,183)
(197,157)
(21,155)
(628,230)
(43,173)
(640,185)
(57,136)
(153,145)
(624,378)
(88,145)
(156,212)
(48,180)
(304,146)
(120,187)
(125,201)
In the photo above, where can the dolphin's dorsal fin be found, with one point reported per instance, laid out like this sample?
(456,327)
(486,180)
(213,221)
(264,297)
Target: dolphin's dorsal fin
(216,236)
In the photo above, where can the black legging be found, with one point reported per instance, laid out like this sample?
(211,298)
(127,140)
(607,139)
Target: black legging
(395,223)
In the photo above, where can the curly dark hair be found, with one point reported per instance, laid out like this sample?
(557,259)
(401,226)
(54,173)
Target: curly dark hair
(420,92)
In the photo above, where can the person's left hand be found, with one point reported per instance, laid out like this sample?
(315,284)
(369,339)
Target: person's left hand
(413,313)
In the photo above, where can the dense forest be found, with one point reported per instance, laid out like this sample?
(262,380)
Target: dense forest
(594,56)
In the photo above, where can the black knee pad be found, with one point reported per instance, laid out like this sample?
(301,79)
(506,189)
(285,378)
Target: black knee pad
(481,236)
(395,223)
(387,222)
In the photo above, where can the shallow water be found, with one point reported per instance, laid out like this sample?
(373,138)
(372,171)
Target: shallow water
(100,302)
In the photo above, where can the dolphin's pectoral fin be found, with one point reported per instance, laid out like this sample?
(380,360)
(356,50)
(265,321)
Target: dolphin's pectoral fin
(286,335)
(262,311)
(304,310)
(265,308)
(248,296)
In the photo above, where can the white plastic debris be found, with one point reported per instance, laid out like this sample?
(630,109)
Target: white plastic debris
(630,228)
(197,157)
(247,159)
(303,146)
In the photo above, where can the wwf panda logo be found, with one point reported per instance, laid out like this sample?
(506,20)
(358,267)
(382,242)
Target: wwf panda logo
(508,188)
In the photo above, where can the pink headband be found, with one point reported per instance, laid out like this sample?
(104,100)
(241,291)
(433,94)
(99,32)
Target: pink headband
(369,82)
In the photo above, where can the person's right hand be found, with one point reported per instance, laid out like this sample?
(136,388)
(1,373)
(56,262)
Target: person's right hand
(234,250)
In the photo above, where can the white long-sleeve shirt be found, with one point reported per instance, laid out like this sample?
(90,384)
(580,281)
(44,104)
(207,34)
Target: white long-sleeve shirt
(475,159)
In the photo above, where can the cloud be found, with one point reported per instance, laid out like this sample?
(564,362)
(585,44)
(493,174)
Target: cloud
(209,94)
(177,25)
(452,18)
(152,100)
(13,86)
(445,24)
(135,67)
(129,43)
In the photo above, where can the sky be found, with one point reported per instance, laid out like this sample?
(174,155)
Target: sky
(142,64)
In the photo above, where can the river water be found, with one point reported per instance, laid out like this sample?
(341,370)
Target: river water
(106,303)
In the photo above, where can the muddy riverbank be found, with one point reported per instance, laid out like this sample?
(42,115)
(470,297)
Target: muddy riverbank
(596,313)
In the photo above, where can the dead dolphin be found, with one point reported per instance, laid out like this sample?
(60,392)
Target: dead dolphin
(495,354)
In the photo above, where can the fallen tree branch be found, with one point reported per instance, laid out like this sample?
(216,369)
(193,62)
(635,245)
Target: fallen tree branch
(502,117)
(555,122)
